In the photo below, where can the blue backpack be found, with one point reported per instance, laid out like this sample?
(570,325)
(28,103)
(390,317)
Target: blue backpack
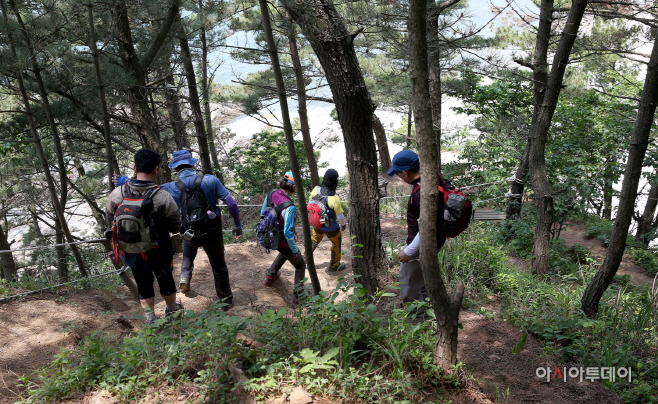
(268,233)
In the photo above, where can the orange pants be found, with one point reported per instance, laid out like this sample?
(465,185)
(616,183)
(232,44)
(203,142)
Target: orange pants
(336,241)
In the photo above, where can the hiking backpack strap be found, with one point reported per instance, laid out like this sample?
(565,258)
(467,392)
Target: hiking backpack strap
(282,206)
(197,182)
(445,184)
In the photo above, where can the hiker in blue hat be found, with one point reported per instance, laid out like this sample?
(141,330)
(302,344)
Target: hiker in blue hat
(406,166)
(196,197)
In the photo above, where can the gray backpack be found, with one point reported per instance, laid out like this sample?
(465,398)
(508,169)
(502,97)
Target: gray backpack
(134,227)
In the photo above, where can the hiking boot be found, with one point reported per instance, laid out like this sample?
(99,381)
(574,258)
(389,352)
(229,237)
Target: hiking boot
(169,313)
(269,279)
(339,268)
(151,319)
(184,285)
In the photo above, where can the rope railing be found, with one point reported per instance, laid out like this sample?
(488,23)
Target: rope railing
(41,247)
(116,271)
(246,228)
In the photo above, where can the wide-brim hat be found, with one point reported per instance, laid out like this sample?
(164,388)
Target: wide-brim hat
(181,157)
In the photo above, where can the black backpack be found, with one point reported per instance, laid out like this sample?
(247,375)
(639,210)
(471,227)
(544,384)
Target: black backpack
(268,233)
(194,209)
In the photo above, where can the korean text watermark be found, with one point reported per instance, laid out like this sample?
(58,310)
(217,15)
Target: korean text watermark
(587,373)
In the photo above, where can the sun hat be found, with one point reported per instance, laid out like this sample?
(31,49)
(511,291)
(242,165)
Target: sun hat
(182,157)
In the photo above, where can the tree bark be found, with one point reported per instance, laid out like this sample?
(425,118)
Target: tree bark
(7,263)
(301,104)
(515,203)
(59,203)
(382,144)
(176,119)
(333,45)
(445,307)
(101,95)
(607,200)
(645,222)
(205,89)
(195,104)
(137,68)
(539,137)
(434,67)
(290,141)
(409,116)
(638,148)
(540,79)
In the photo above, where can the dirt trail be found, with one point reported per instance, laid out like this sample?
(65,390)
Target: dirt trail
(31,329)
(575,234)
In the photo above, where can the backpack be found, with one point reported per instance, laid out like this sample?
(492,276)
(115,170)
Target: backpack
(318,211)
(457,211)
(194,209)
(134,227)
(268,233)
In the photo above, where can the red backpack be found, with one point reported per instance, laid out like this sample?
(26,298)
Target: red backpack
(319,211)
(457,211)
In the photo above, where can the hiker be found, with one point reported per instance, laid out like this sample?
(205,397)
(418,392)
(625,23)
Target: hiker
(412,287)
(334,222)
(212,239)
(287,248)
(142,216)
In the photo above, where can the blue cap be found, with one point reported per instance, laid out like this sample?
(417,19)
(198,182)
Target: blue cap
(182,157)
(406,160)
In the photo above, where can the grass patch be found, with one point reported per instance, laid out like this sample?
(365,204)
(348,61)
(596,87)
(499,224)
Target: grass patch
(344,349)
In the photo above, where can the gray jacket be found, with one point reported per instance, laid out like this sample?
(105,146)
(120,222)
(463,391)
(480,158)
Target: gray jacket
(163,203)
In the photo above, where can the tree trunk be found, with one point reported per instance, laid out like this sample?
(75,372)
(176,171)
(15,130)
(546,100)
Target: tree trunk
(175,116)
(382,144)
(59,204)
(409,116)
(607,200)
(205,90)
(445,308)
(333,45)
(540,79)
(301,104)
(539,137)
(515,203)
(195,104)
(62,265)
(638,148)
(290,141)
(7,263)
(645,222)
(137,67)
(434,68)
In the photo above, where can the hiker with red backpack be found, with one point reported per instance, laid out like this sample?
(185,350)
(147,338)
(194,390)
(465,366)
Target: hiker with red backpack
(276,231)
(325,214)
(141,217)
(454,213)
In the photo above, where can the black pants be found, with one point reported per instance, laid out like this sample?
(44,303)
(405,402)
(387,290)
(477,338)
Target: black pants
(213,245)
(158,262)
(286,254)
